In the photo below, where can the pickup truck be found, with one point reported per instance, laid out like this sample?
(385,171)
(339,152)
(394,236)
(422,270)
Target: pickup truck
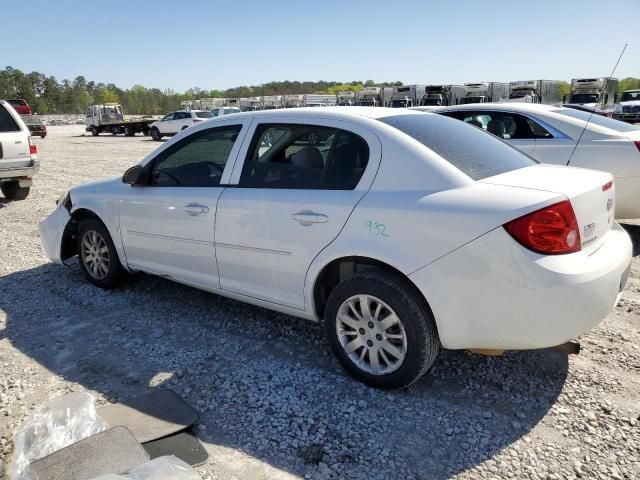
(18,155)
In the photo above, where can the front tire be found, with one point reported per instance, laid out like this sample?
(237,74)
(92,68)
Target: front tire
(94,131)
(155,135)
(381,330)
(98,256)
(13,191)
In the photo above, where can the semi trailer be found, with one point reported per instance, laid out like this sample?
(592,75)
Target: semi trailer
(293,101)
(535,91)
(442,95)
(251,104)
(374,96)
(108,118)
(406,96)
(599,93)
(272,102)
(346,99)
(483,92)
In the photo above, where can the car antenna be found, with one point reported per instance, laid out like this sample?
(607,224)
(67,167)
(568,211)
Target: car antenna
(604,88)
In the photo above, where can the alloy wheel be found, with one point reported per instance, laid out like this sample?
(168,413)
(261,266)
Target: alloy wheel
(95,254)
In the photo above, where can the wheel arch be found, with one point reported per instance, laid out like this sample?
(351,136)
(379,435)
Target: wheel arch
(342,268)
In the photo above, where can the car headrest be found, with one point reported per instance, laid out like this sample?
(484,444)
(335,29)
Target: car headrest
(309,157)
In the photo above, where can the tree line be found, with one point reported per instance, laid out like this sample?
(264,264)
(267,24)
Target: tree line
(47,95)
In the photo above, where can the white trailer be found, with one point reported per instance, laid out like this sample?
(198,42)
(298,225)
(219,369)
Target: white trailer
(231,102)
(406,96)
(442,95)
(374,96)
(272,102)
(600,93)
(293,101)
(346,99)
(535,91)
(210,103)
(320,100)
(483,92)
(251,104)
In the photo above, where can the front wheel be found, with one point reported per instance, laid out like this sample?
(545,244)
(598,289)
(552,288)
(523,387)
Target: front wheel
(380,330)
(98,256)
(13,191)
(155,135)
(94,131)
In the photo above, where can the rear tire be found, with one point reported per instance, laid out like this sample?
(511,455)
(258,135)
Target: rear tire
(13,191)
(94,131)
(115,130)
(395,319)
(98,256)
(155,135)
(129,131)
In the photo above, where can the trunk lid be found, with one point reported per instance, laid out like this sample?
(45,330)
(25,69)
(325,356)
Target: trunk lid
(591,197)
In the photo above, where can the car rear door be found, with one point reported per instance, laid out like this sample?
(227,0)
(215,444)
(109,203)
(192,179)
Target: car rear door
(14,139)
(167,224)
(300,179)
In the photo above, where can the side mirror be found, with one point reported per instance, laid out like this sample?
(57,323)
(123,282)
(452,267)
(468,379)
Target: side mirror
(133,176)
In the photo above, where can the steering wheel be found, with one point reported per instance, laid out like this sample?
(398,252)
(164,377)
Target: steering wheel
(172,177)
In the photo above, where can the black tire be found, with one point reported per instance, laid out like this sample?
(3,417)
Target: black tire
(145,131)
(129,131)
(422,342)
(115,273)
(42,136)
(13,191)
(115,130)
(155,135)
(94,131)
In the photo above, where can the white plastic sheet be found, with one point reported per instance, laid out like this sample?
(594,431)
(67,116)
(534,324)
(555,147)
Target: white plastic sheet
(161,468)
(57,424)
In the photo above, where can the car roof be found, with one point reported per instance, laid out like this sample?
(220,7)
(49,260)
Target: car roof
(335,112)
(513,106)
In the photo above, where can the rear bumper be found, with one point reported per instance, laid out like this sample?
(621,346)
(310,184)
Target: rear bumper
(51,230)
(495,294)
(27,171)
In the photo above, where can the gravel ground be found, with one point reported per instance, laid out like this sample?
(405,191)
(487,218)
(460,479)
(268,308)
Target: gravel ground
(268,391)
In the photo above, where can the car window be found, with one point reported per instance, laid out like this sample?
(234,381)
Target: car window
(215,112)
(471,150)
(304,157)
(538,130)
(196,161)
(7,123)
(598,119)
(505,125)
(171,116)
(204,114)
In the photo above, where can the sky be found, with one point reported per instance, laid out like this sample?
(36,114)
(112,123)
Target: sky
(222,44)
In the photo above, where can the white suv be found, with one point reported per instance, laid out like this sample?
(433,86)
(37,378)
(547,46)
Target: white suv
(18,155)
(175,122)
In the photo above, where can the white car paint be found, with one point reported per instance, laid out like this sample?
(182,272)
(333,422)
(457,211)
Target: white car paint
(602,148)
(16,159)
(412,210)
(177,121)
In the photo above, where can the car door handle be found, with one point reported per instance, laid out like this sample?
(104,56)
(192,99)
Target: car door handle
(194,209)
(307,217)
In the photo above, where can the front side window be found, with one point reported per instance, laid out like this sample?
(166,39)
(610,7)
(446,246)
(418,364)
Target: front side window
(304,157)
(196,161)
(168,117)
(7,123)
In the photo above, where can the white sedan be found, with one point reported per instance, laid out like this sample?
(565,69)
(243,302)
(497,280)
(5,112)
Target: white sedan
(549,134)
(401,231)
(175,122)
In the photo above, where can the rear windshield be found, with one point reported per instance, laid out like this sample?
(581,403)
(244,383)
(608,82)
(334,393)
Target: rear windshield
(204,114)
(17,103)
(7,123)
(470,149)
(598,119)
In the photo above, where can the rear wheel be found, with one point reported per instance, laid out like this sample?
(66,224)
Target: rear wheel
(94,131)
(115,130)
(155,135)
(380,330)
(129,131)
(13,191)
(98,256)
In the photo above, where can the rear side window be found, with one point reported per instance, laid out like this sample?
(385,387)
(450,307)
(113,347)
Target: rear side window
(305,157)
(471,150)
(7,123)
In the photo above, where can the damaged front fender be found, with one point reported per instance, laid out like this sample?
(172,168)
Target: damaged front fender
(52,230)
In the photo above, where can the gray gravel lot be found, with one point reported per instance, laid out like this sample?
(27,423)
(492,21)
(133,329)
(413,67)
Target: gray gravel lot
(265,384)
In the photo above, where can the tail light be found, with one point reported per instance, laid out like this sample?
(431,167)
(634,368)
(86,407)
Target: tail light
(637,142)
(33,148)
(552,230)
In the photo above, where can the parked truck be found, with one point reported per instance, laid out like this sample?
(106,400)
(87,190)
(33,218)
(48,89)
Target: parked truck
(251,104)
(346,99)
(272,102)
(374,96)
(108,118)
(535,91)
(483,92)
(320,100)
(630,107)
(599,93)
(211,103)
(442,95)
(293,101)
(406,96)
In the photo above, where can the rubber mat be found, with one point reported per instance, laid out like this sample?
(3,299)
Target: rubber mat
(183,445)
(151,416)
(113,451)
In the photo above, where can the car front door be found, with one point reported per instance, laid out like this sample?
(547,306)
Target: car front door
(167,222)
(298,184)
(165,125)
